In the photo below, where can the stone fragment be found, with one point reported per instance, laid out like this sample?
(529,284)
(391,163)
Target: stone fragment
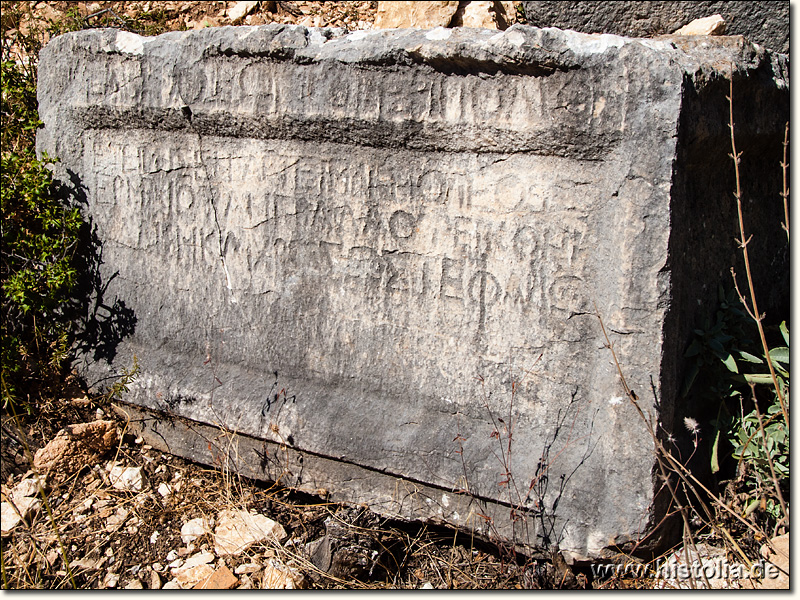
(194,528)
(391,15)
(221,579)
(278,576)
(164,489)
(27,488)
(12,514)
(111,580)
(172,584)
(127,479)
(241,9)
(84,506)
(713,25)
(74,447)
(85,563)
(52,556)
(195,569)
(115,521)
(134,584)
(238,529)
(707,568)
(247,568)
(487,15)
(201,558)
(765,23)
(190,577)
(155,580)
(777,577)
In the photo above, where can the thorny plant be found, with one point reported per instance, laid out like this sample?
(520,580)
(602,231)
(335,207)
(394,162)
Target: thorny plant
(532,509)
(779,383)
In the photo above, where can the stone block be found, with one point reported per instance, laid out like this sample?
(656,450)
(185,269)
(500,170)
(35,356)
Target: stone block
(766,23)
(358,264)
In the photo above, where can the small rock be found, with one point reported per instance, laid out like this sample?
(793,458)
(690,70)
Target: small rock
(52,557)
(111,580)
(713,25)
(85,563)
(778,564)
(239,11)
(84,506)
(426,586)
(414,14)
(194,570)
(164,489)
(74,447)
(246,583)
(188,578)
(193,529)
(127,479)
(134,584)
(278,576)
(26,488)
(155,581)
(154,537)
(172,555)
(172,585)
(238,529)
(10,516)
(221,579)
(157,567)
(116,520)
(481,14)
(707,560)
(201,558)
(247,568)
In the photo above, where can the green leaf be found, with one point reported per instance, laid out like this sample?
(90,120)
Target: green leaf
(785,332)
(751,507)
(780,354)
(730,363)
(746,356)
(714,454)
(758,378)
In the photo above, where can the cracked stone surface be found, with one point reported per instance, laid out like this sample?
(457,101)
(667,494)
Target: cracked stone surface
(359,251)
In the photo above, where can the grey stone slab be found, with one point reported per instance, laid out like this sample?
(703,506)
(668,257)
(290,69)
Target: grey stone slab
(383,249)
(765,23)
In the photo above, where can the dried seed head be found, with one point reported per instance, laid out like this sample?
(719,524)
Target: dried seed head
(691,425)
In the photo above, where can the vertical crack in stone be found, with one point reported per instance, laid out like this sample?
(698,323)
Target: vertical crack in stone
(187,112)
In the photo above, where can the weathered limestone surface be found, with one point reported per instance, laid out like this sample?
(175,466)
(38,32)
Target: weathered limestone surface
(765,23)
(358,251)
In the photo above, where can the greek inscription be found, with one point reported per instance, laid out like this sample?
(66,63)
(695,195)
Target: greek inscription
(452,281)
(484,289)
(402,224)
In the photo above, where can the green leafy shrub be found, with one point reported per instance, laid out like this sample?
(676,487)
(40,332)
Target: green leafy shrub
(728,369)
(40,234)
(761,441)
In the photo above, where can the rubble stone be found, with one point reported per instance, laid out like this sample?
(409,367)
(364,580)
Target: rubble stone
(75,447)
